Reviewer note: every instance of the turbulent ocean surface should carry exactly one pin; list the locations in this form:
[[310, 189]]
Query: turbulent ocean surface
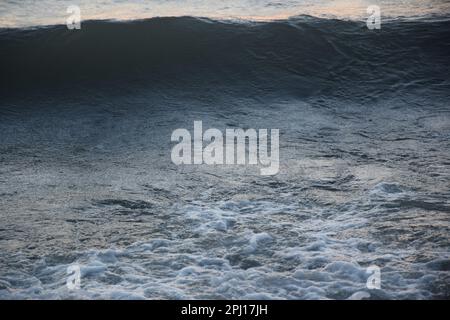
[[86, 176]]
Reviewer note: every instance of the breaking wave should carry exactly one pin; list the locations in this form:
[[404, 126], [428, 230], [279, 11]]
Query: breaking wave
[[301, 56]]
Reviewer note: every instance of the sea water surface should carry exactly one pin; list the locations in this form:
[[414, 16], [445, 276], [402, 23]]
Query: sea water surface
[[86, 177], [28, 13]]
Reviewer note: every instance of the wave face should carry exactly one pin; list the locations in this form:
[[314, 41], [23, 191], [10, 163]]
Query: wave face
[[302, 56]]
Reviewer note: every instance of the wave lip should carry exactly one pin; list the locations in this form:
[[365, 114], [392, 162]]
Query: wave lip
[[31, 13]]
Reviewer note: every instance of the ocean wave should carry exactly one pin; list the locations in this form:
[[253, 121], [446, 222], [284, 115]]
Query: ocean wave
[[301, 56]]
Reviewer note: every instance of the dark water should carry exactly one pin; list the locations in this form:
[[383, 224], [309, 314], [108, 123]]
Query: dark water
[[86, 176]]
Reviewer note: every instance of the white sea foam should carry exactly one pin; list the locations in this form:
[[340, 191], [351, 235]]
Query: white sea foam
[[236, 261]]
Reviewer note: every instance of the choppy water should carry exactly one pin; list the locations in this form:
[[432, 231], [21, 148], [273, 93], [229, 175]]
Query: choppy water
[[86, 176], [27, 13]]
